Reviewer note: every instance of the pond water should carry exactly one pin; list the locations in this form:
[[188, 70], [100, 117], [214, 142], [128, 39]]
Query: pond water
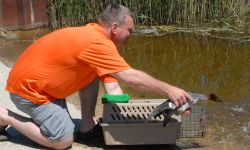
[[202, 64], [196, 63]]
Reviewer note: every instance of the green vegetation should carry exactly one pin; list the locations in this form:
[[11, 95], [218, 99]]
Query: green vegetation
[[219, 13]]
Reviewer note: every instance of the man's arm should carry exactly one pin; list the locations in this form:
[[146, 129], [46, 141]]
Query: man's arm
[[144, 82], [113, 88]]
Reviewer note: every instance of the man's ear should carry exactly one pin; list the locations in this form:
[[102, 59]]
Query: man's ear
[[114, 27]]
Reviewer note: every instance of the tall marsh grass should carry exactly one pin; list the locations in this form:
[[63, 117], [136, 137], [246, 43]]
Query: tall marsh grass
[[154, 12]]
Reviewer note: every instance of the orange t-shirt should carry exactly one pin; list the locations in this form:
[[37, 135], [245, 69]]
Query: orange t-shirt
[[64, 61]]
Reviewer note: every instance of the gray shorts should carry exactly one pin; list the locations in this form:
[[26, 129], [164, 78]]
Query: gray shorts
[[53, 118]]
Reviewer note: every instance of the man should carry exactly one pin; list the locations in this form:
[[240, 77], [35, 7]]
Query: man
[[69, 60]]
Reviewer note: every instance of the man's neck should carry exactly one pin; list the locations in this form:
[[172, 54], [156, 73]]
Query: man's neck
[[106, 30]]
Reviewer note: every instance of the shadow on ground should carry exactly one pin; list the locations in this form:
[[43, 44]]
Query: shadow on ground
[[19, 139]]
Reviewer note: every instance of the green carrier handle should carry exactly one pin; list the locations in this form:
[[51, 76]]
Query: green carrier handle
[[123, 98]]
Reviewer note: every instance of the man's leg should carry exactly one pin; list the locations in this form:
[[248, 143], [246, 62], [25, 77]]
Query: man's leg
[[27, 127], [50, 121], [88, 97]]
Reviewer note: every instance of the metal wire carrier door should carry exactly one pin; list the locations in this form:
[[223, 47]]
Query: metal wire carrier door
[[194, 125]]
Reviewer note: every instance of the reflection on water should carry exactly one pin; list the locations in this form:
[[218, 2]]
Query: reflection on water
[[196, 63]]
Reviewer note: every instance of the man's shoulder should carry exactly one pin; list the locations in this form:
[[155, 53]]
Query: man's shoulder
[[96, 30], [97, 33]]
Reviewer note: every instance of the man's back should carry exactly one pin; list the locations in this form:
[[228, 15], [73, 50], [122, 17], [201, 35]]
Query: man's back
[[54, 67]]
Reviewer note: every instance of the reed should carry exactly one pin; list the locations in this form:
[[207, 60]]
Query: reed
[[155, 12]]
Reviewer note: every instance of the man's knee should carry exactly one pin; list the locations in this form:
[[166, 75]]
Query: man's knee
[[62, 144]]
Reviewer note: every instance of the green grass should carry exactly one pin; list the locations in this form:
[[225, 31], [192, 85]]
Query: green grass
[[233, 13]]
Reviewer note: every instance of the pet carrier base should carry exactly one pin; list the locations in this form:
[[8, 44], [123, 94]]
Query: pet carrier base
[[128, 124]]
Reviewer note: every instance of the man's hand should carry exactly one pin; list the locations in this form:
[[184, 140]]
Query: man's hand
[[187, 111], [178, 96]]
